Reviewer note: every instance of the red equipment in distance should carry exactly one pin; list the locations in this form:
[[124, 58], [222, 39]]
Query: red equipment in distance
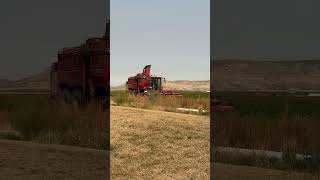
[[144, 83]]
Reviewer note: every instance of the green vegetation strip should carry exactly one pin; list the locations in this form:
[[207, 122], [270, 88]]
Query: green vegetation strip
[[190, 100]]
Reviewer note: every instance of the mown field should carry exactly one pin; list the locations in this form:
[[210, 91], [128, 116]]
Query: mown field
[[40, 119], [151, 144], [191, 100], [280, 122]]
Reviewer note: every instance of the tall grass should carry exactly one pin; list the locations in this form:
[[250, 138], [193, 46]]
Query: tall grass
[[281, 123], [36, 118], [193, 100]]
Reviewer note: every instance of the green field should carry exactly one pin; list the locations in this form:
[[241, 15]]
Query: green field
[[280, 122], [191, 100], [40, 119]]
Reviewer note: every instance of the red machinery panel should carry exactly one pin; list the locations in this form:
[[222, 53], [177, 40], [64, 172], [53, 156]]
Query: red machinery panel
[[83, 68]]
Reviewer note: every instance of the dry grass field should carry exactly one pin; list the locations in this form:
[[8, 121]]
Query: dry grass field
[[145, 144], [148, 144], [24, 160]]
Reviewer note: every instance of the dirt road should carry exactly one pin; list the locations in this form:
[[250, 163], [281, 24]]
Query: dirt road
[[24, 160], [232, 172]]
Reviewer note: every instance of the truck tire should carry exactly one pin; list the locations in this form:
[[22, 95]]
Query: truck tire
[[78, 97], [66, 94]]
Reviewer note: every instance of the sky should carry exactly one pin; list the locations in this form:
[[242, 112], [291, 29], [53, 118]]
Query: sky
[[171, 35], [33, 31], [265, 30]]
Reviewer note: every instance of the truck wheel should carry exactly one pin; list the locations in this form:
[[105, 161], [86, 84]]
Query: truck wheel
[[66, 95], [78, 97]]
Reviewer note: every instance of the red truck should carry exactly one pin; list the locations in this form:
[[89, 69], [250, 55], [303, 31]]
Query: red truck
[[83, 73]]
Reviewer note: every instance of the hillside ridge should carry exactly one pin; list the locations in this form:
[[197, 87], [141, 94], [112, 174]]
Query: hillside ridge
[[248, 75]]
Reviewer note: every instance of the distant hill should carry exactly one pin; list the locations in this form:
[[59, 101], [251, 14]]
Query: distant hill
[[187, 85], [242, 75], [39, 81], [234, 75], [4, 83], [118, 88]]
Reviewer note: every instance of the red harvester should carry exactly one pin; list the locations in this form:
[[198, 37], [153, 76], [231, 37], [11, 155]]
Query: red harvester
[[143, 83]]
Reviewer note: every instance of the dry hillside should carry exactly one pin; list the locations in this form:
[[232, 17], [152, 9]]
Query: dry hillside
[[118, 88], [187, 85], [265, 75], [39, 81]]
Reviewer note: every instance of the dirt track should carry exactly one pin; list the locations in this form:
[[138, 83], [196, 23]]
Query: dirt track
[[232, 172], [24, 160]]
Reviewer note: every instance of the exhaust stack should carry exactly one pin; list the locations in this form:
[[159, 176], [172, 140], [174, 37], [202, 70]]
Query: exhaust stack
[[146, 70]]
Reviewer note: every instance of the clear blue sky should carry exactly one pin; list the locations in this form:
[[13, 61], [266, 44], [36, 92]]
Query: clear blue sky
[[171, 35]]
